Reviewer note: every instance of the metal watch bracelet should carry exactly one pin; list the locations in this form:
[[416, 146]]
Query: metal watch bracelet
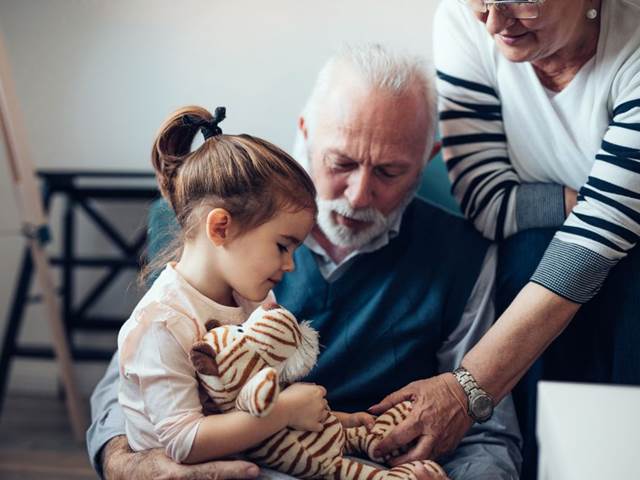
[[480, 403]]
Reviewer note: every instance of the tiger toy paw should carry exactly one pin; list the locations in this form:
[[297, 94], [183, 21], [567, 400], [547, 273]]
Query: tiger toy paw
[[259, 395]]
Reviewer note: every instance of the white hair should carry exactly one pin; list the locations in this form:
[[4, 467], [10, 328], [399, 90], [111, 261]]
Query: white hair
[[379, 68]]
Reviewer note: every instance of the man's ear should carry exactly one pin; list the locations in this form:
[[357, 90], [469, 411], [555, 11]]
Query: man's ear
[[303, 127], [218, 223]]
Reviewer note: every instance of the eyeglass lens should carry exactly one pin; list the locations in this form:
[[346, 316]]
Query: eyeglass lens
[[519, 10]]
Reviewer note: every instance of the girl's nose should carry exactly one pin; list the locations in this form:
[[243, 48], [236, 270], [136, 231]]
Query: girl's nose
[[288, 264]]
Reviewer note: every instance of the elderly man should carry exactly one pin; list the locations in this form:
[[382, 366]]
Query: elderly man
[[398, 289]]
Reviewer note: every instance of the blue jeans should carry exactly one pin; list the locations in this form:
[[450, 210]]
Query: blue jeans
[[601, 344]]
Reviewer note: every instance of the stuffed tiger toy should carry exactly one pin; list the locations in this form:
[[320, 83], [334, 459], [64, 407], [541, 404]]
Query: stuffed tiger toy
[[244, 367]]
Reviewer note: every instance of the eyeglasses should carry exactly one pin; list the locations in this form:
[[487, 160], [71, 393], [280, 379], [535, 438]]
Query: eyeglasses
[[519, 9]]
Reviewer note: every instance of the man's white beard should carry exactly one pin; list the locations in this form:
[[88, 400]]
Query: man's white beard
[[346, 237], [343, 236]]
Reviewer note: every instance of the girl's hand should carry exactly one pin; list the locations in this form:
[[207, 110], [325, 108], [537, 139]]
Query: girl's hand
[[306, 406], [356, 419]]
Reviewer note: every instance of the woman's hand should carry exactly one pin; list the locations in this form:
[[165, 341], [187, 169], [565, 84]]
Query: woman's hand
[[570, 200], [119, 462], [306, 406], [356, 419], [437, 422]]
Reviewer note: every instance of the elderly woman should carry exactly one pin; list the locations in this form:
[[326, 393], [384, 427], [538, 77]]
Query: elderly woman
[[540, 99]]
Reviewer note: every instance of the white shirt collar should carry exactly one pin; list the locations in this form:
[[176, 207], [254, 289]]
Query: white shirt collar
[[330, 270]]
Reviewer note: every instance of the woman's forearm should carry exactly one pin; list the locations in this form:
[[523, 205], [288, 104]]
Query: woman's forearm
[[533, 320]]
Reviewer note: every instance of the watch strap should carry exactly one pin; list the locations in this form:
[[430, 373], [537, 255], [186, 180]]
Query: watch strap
[[471, 389]]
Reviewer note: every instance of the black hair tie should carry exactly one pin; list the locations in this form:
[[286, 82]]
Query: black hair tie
[[209, 128]]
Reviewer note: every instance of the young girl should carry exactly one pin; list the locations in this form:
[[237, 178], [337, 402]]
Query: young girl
[[243, 207]]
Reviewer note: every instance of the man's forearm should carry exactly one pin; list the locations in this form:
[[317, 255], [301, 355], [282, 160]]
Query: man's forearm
[[117, 459], [119, 462], [532, 321]]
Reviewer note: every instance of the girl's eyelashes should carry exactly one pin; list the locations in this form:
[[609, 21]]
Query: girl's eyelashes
[[282, 248]]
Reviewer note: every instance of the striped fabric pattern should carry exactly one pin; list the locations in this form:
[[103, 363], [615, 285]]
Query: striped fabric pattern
[[475, 149], [574, 260], [605, 224]]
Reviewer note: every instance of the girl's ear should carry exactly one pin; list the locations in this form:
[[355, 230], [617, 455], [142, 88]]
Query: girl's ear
[[218, 223]]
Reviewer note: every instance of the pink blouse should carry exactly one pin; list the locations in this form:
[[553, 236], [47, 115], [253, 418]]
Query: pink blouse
[[158, 385]]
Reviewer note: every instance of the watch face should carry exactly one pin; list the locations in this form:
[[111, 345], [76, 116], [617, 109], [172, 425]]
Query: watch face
[[481, 407]]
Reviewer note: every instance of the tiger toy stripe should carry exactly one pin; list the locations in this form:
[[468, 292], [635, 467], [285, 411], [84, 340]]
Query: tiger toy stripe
[[244, 367]]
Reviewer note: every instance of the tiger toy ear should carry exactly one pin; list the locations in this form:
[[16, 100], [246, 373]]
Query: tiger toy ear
[[211, 324], [203, 358]]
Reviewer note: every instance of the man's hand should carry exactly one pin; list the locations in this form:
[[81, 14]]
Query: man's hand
[[437, 422], [119, 462]]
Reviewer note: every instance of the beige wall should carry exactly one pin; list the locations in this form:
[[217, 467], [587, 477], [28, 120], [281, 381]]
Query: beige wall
[[96, 78]]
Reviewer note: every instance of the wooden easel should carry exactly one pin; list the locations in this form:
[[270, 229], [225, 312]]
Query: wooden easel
[[36, 232]]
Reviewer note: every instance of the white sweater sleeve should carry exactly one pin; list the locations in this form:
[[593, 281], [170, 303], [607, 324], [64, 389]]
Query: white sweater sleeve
[[473, 138], [160, 383], [605, 224], [487, 188]]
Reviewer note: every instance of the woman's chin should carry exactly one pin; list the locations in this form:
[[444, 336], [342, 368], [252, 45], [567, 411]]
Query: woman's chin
[[515, 51], [515, 54]]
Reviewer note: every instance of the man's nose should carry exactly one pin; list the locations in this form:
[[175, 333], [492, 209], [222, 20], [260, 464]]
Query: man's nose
[[359, 191], [496, 20]]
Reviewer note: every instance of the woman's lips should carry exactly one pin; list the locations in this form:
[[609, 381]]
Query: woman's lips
[[511, 39]]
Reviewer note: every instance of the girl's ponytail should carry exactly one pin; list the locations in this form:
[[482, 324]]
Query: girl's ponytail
[[172, 146], [249, 177]]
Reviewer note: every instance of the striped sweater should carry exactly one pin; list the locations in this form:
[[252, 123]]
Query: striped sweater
[[510, 145]]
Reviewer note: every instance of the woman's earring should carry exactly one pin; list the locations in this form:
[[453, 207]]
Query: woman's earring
[[592, 13]]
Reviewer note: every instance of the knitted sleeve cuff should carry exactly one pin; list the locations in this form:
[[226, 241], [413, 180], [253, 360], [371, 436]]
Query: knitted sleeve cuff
[[572, 271], [539, 205]]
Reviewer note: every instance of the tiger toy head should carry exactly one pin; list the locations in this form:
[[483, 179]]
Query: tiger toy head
[[243, 366]]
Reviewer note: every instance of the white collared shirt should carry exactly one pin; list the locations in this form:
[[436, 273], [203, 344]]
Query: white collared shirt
[[331, 270]]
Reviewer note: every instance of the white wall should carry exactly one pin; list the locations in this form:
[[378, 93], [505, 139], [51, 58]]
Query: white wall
[[96, 78]]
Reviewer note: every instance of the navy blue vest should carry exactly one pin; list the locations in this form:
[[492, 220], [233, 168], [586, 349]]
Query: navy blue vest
[[382, 322]]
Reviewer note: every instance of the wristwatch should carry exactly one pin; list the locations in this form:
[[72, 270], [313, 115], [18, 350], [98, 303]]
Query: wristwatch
[[480, 403]]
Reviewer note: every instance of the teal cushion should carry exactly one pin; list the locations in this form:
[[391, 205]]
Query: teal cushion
[[162, 228], [436, 187]]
